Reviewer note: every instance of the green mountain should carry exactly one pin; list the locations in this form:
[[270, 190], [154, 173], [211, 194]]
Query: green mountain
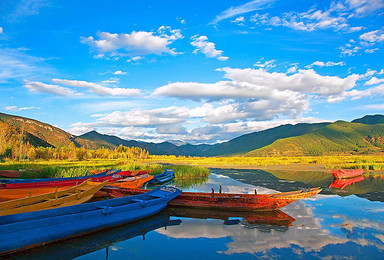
[[256, 140], [370, 120], [339, 138]]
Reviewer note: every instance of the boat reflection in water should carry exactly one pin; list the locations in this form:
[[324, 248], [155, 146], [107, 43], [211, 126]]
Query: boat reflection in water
[[342, 183], [72, 248], [249, 219]]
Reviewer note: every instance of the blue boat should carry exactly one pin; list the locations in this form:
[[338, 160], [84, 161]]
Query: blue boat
[[26, 230], [76, 247], [166, 176], [102, 174]]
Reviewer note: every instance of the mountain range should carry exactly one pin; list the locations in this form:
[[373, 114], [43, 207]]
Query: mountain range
[[361, 136]]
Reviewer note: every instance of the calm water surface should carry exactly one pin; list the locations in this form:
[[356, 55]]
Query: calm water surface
[[335, 224]]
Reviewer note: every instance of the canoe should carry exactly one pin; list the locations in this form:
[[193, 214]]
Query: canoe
[[84, 245], [228, 201], [26, 230], [166, 176], [9, 174], [68, 197], [132, 182], [273, 217], [344, 174], [343, 183]]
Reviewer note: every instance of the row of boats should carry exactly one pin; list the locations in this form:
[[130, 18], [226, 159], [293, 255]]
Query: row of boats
[[40, 211]]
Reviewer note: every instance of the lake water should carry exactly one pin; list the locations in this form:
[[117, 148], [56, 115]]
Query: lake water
[[336, 224]]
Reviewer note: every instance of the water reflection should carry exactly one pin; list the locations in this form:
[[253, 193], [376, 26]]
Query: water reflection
[[343, 183]]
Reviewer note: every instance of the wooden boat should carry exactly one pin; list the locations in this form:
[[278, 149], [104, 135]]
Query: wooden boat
[[84, 245], [68, 197], [344, 174], [273, 217], [166, 176], [343, 183], [132, 182], [26, 230], [9, 174], [228, 201]]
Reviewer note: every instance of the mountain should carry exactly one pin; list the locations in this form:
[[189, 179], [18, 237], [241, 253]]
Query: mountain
[[256, 140], [339, 138], [49, 134], [370, 120], [164, 148]]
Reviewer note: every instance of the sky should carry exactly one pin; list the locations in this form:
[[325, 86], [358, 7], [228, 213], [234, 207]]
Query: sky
[[192, 71]]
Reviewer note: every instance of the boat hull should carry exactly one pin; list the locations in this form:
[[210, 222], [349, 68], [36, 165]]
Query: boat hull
[[26, 230], [227, 201], [345, 174], [164, 177]]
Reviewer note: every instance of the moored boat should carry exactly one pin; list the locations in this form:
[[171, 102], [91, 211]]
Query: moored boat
[[9, 174], [344, 174], [132, 182], [26, 230], [166, 176], [228, 201], [68, 197]]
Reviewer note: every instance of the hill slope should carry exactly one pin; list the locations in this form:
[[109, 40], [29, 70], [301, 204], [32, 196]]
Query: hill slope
[[370, 120], [336, 138], [249, 142]]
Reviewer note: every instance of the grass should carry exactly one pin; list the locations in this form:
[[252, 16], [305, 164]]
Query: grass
[[63, 169]]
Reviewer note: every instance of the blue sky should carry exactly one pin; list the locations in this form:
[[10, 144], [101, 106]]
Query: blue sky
[[196, 71]]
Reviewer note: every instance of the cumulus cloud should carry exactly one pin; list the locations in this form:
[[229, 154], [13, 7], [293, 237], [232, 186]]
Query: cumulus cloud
[[366, 42], [374, 81], [134, 43], [202, 44], [265, 64], [1, 29], [361, 8], [15, 108], [98, 89], [40, 87], [181, 20], [119, 72], [242, 9]]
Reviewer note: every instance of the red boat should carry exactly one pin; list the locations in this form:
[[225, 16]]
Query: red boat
[[342, 183], [344, 174], [9, 174], [227, 201]]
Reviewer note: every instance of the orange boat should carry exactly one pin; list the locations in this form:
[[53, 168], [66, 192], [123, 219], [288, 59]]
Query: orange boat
[[227, 201], [345, 174], [11, 194], [342, 183], [132, 182]]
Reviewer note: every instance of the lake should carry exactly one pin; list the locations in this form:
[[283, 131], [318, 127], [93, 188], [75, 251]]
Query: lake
[[346, 221]]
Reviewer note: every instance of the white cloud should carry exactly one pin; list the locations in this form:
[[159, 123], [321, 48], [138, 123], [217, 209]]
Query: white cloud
[[40, 87], [119, 72], [363, 8], [134, 43], [134, 59], [366, 42], [327, 64], [27, 8], [265, 64], [181, 20], [373, 36], [15, 108], [374, 81], [15, 64], [239, 20], [98, 89], [208, 48], [242, 9], [1, 29]]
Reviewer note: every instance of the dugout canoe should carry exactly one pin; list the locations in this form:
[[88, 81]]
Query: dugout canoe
[[343, 183], [26, 230], [132, 182], [228, 201], [344, 174], [68, 197], [166, 176]]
